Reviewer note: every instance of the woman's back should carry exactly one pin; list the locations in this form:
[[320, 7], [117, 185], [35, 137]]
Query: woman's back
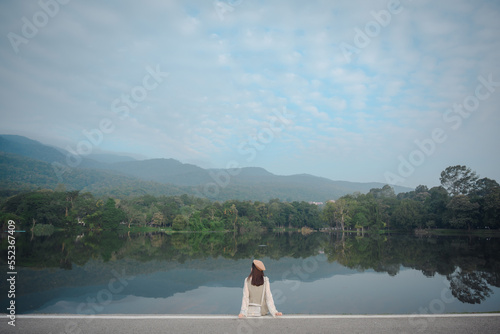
[[260, 293], [255, 293]]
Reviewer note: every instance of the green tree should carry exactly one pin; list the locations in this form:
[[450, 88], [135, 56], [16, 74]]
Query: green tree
[[421, 193], [276, 216], [342, 211], [374, 209], [44, 207], [328, 213], [180, 223], [70, 199], [458, 180], [158, 219], [435, 207], [464, 213], [111, 216], [232, 215], [408, 215], [491, 209], [360, 220], [384, 192], [485, 186]]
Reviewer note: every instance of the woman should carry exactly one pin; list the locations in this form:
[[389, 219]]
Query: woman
[[256, 290]]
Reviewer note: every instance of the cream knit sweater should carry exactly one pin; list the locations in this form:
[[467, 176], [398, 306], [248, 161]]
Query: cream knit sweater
[[253, 294]]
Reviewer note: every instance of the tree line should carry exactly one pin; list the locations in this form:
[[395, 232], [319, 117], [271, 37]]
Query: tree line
[[72, 209], [463, 201]]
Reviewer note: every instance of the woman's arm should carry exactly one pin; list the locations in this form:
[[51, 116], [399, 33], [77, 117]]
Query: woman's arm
[[270, 300], [244, 300]]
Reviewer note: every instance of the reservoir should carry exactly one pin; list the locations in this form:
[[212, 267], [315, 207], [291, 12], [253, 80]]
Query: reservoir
[[203, 273]]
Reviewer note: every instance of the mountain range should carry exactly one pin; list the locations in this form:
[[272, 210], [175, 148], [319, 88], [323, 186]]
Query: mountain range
[[29, 164]]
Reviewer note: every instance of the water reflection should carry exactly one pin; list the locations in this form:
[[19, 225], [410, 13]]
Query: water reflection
[[471, 265], [203, 273]]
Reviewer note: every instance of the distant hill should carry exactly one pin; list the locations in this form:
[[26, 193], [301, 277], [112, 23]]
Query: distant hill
[[21, 173], [35, 150], [27, 164], [29, 148], [109, 158], [163, 170]]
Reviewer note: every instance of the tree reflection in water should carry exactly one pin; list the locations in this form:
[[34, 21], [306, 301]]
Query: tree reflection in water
[[470, 287], [471, 264]]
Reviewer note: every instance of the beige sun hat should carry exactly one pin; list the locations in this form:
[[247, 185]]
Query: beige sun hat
[[259, 265]]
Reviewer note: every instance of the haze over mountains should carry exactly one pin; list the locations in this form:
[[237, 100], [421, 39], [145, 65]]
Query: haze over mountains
[[29, 164]]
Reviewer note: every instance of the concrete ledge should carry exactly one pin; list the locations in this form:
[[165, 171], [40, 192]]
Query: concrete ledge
[[286, 316], [293, 323]]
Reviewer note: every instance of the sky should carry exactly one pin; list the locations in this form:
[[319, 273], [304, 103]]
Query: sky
[[385, 91]]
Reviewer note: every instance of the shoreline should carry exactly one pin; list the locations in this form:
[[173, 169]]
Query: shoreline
[[216, 324], [235, 316]]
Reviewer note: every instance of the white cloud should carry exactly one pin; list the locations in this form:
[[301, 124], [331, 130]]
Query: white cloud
[[227, 76], [316, 113]]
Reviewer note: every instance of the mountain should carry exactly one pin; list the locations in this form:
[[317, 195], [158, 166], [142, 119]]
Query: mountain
[[35, 150], [109, 158], [28, 164], [163, 171], [21, 173], [29, 148]]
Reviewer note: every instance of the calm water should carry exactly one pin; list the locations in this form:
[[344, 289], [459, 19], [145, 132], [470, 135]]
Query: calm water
[[203, 273]]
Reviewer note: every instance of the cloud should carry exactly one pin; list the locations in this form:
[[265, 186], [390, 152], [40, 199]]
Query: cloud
[[316, 113], [227, 76]]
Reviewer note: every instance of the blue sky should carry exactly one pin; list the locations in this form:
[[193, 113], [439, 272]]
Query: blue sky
[[349, 90]]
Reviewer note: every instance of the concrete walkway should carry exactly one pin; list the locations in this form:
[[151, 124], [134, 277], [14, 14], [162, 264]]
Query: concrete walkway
[[77, 324]]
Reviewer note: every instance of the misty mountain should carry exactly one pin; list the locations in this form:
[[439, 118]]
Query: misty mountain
[[21, 173], [109, 158], [29, 164], [163, 171], [29, 148], [35, 150]]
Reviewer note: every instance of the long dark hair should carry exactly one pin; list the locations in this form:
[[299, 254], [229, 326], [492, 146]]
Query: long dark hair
[[257, 276]]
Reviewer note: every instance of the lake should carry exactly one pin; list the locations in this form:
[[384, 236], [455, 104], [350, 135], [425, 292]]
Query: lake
[[191, 273]]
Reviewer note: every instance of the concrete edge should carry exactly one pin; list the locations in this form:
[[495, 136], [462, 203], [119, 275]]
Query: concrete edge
[[215, 317]]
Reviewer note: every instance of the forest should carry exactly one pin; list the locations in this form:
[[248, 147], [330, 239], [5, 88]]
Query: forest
[[463, 201]]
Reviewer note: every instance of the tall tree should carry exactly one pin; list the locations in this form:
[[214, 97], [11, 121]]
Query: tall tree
[[384, 192], [485, 186], [458, 180], [343, 211], [328, 213], [111, 216], [435, 207], [464, 213], [180, 223], [491, 209], [408, 215]]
